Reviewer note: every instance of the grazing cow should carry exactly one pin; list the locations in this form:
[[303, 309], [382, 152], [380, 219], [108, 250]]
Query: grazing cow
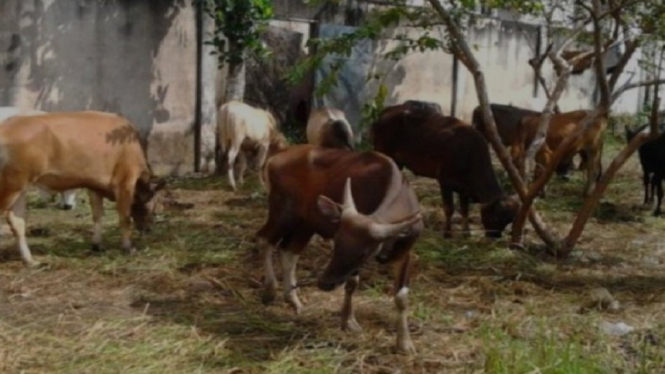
[[68, 198], [328, 127], [360, 200], [242, 128], [652, 160], [453, 153], [507, 118], [590, 143], [62, 151]]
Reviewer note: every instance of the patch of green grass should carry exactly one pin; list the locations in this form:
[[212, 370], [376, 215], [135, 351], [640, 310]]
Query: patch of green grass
[[469, 254], [548, 351], [567, 347]]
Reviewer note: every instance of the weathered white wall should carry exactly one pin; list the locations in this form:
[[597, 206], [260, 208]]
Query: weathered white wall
[[136, 58]]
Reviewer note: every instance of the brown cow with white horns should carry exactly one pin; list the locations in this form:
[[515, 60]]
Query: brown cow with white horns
[[61, 151], [360, 200]]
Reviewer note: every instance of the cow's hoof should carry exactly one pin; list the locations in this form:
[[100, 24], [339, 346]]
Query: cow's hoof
[[96, 247], [35, 264], [295, 304], [351, 325], [405, 347], [447, 235], [67, 207]]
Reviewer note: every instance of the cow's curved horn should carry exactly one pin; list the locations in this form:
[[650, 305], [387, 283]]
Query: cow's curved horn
[[383, 231], [348, 204]]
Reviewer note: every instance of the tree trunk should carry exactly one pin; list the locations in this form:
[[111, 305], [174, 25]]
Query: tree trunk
[[235, 81], [641, 138], [591, 202]]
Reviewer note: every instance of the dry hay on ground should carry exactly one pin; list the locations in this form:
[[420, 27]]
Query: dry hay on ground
[[190, 300]]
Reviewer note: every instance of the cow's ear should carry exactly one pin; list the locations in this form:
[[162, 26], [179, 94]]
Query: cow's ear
[[329, 208]]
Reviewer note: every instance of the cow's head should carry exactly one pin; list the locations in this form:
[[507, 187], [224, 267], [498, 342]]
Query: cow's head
[[357, 238], [143, 205], [499, 214]]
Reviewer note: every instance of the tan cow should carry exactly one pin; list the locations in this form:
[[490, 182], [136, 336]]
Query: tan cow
[[68, 198], [328, 127], [589, 144], [62, 151]]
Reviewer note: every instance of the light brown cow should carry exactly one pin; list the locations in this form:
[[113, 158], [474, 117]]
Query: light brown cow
[[61, 151], [328, 127], [243, 129], [361, 201], [589, 144], [68, 198]]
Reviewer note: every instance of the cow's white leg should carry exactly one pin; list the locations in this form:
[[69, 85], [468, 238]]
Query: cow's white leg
[[16, 221], [97, 206], [404, 343], [260, 161], [289, 283], [232, 154], [242, 166], [270, 282], [401, 285], [68, 199], [349, 321]]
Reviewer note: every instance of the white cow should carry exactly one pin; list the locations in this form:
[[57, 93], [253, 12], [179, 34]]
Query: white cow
[[68, 197], [241, 129]]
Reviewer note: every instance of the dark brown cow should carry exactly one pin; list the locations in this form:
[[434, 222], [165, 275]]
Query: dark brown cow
[[360, 200], [507, 118], [590, 143], [62, 151], [453, 153]]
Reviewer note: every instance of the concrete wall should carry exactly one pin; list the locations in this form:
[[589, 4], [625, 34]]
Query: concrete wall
[[133, 57]]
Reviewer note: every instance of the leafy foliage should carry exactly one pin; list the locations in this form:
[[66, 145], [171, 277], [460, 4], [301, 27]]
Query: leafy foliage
[[371, 111], [242, 23]]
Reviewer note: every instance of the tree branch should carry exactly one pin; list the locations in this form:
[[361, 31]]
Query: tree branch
[[599, 62], [630, 86], [631, 47]]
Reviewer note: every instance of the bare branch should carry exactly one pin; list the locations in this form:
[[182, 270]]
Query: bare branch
[[631, 47], [630, 86]]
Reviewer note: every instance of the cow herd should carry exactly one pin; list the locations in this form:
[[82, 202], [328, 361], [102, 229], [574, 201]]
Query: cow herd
[[361, 200]]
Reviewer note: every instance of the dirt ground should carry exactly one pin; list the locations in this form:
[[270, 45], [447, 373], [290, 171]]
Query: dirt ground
[[189, 301]]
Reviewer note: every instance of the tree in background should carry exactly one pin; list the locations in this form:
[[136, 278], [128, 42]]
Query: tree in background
[[604, 23], [238, 28]]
